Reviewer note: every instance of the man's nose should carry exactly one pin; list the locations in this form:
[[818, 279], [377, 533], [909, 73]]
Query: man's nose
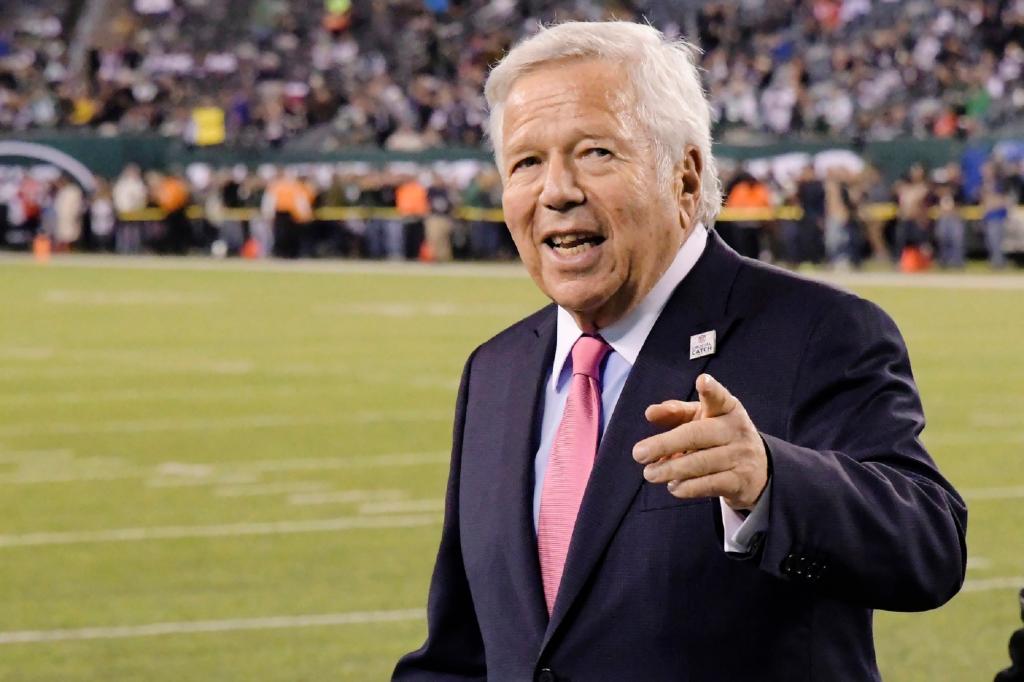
[[561, 191]]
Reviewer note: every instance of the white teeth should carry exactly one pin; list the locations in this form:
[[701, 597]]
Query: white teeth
[[573, 250], [558, 240]]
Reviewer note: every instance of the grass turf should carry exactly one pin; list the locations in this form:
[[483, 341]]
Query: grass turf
[[198, 408]]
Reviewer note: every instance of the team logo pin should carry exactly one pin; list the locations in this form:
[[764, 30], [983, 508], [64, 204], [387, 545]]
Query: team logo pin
[[702, 344]]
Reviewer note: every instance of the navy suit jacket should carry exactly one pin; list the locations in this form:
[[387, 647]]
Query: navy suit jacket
[[860, 518]]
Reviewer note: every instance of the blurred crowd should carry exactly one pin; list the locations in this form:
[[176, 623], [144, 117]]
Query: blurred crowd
[[843, 217], [404, 213], [865, 69], [408, 74]]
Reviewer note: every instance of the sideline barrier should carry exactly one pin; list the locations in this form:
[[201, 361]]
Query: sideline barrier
[[495, 215]]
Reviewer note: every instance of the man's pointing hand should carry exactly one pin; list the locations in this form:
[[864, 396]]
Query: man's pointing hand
[[711, 448]]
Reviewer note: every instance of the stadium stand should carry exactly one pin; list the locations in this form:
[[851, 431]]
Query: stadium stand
[[406, 76]]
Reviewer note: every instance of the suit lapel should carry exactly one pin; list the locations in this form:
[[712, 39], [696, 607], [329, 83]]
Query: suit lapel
[[663, 370], [525, 388]]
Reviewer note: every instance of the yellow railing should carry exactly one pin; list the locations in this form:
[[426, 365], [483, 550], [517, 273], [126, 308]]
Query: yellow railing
[[871, 212]]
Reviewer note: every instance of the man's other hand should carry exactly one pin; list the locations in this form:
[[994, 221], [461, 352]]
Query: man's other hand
[[711, 448]]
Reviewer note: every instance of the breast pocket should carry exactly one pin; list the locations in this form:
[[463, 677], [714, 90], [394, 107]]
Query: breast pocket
[[654, 496]]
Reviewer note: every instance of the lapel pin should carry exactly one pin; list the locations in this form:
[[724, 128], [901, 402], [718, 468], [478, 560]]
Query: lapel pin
[[702, 344]]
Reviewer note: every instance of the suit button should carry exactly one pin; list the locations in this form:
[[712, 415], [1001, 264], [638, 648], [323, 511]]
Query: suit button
[[545, 675]]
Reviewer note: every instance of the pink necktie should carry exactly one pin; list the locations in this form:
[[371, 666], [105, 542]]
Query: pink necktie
[[572, 458]]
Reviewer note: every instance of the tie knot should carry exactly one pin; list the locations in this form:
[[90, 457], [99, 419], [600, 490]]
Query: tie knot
[[587, 354]]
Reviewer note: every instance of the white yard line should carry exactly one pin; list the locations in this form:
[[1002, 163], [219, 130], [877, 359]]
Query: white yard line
[[967, 438], [216, 531], [1009, 281], [173, 474], [401, 506], [297, 621], [252, 421], [346, 462], [159, 361], [258, 489], [22, 456], [997, 420], [183, 481], [154, 394], [25, 353], [345, 496], [120, 298], [997, 493], [1015, 582], [414, 309], [70, 477], [328, 267], [959, 281], [107, 369], [188, 474], [208, 626]]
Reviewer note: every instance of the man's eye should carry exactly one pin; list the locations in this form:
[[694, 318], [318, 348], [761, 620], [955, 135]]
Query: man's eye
[[525, 163], [599, 152]]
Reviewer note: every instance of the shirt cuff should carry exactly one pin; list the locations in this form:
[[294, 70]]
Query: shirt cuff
[[739, 529]]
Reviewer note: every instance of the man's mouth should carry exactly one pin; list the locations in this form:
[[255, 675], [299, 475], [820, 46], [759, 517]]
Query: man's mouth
[[572, 244]]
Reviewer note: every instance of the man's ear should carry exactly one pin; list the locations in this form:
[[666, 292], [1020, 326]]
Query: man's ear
[[687, 175]]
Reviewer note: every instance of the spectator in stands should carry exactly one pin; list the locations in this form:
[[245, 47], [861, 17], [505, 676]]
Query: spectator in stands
[[129, 195], [226, 199], [837, 217], [68, 208], [413, 206], [330, 233], [439, 223], [288, 206], [996, 212], [803, 238], [382, 233], [483, 194], [746, 193], [912, 198], [28, 204], [102, 217], [372, 197], [171, 195], [873, 192], [844, 230], [949, 228]]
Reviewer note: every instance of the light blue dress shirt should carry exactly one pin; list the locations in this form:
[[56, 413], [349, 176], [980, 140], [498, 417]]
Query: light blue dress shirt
[[627, 337]]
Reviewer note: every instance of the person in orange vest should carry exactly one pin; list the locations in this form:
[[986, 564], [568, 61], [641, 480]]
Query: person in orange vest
[[747, 192], [288, 204], [171, 195], [413, 206]]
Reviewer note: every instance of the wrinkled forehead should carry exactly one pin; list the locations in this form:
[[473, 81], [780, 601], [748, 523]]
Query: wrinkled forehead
[[588, 92]]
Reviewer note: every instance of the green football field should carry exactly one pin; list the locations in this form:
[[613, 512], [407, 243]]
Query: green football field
[[211, 471]]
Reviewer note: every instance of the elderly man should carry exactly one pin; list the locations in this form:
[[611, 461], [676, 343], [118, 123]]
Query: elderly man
[[691, 466]]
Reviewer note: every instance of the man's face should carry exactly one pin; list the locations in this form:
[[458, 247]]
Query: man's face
[[593, 224]]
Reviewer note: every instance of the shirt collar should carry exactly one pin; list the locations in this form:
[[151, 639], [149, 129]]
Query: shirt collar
[[627, 335]]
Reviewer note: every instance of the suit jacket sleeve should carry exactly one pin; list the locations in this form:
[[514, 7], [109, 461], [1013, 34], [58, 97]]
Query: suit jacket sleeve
[[859, 511], [454, 649]]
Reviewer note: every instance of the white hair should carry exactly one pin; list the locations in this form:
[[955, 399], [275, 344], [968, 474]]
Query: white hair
[[669, 98]]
